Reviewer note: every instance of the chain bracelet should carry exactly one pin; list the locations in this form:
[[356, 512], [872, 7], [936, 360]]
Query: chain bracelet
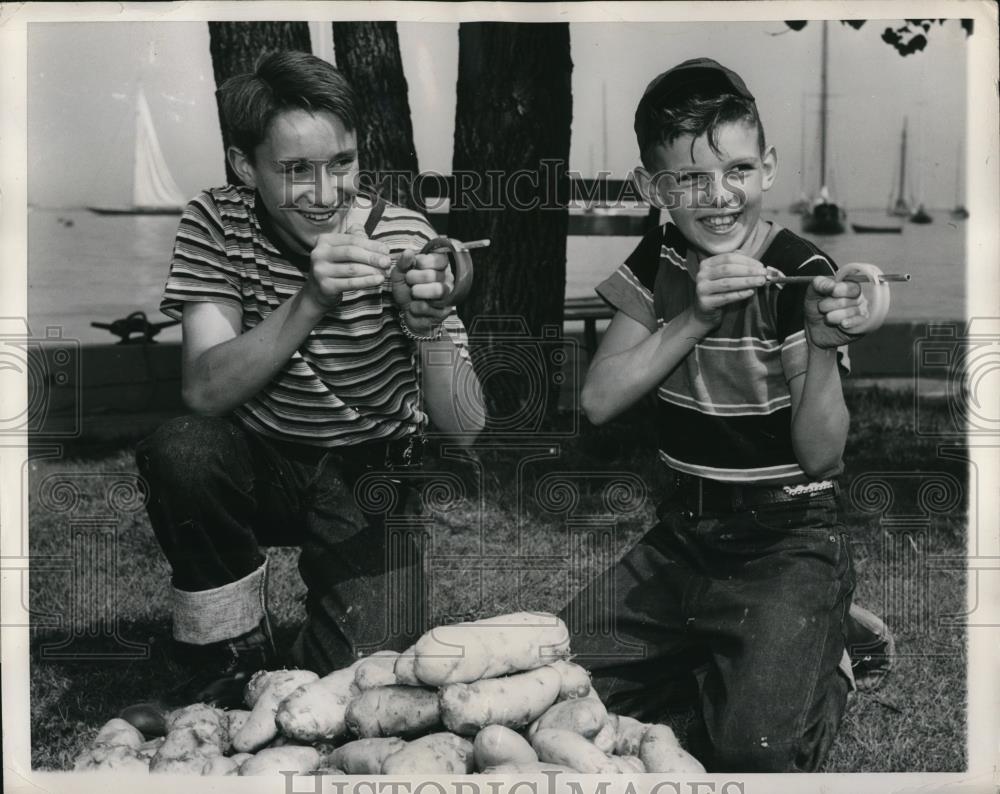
[[434, 336]]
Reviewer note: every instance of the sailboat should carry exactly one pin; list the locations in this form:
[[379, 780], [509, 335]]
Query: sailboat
[[921, 216], [154, 191], [801, 205], [959, 213], [825, 216], [900, 208]]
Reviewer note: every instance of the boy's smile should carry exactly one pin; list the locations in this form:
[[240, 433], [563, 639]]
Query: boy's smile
[[714, 198], [306, 172]]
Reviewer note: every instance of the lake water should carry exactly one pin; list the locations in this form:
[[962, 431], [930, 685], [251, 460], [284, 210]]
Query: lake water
[[84, 267]]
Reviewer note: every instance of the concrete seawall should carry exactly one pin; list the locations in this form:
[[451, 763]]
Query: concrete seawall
[[128, 389], [897, 350]]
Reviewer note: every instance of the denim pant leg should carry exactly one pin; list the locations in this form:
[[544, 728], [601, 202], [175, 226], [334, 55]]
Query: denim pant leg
[[628, 628], [214, 493], [362, 565], [773, 608]]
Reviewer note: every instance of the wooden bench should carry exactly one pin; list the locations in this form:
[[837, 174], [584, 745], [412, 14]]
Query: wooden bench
[[587, 310]]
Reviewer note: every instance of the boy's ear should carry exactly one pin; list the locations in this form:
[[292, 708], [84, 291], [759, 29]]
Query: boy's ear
[[769, 167], [241, 165]]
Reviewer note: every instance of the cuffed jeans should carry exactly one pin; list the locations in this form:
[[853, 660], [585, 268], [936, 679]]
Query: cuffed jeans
[[218, 493], [743, 613]]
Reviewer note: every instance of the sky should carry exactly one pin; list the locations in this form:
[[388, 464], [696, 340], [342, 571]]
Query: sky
[[83, 78]]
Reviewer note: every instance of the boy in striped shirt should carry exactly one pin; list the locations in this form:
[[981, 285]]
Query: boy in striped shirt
[[309, 328], [747, 579]]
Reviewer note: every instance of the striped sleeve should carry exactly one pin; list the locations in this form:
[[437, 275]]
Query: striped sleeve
[[791, 318], [200, 271], [630, 288]]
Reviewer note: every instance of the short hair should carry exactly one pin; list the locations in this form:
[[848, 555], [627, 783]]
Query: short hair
[[697, 115], [282, 80]]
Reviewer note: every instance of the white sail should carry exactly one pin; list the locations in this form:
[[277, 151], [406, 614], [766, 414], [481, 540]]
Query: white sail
[[153, 186]]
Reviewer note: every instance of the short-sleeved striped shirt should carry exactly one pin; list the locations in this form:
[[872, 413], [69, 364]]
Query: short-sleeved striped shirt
[[725, 411], [353, 380]]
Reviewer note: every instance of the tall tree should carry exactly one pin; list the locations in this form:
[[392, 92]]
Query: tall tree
[[907, 38], [236, 46], [368, 55], [512, 135]]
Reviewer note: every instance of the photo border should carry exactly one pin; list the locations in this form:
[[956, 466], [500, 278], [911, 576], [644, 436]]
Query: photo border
[[983, 301]]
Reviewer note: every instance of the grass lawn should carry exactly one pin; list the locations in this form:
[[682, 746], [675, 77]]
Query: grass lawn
[[100, 600]]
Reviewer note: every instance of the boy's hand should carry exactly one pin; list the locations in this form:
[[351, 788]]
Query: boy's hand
[[343, 262], [724, 279], [831, 308], [419, 280]]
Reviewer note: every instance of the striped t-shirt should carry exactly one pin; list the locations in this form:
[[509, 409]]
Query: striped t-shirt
[[353, 380], [725, 411]]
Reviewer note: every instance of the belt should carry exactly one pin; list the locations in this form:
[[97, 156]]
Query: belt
[[400, 453], [703, 496]]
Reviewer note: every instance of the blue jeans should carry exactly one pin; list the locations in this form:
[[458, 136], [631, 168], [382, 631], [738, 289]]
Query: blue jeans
[[742, 614], [219, 493]]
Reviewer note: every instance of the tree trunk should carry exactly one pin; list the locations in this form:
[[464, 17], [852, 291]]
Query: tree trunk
[[513, 119], [236, 46], [368, 56]]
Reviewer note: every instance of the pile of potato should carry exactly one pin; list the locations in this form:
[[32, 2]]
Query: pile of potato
[[496, 696]]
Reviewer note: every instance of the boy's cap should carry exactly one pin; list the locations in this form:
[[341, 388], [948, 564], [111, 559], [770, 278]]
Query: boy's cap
[[696, 76]]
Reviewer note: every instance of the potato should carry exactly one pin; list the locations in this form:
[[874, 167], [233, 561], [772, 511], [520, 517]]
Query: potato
[[584, 716], [327, 770], [221, 765], [436, 754], [466, 652], [274, 760], [111, 758], [567, 748], [256, 685], [394, 711], [605, 738], [119, 733], [526, 768], [364, 756], [575, 680], [240, 758], [379, 669], [148, 749], [513, 701], [185, 751], [628, 734], [627, 765], [210, 723], [316, 711], [661, 752], [496, 745], [280, 740], [260, 727], [236, 718], [404, 668], [148, 718]]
